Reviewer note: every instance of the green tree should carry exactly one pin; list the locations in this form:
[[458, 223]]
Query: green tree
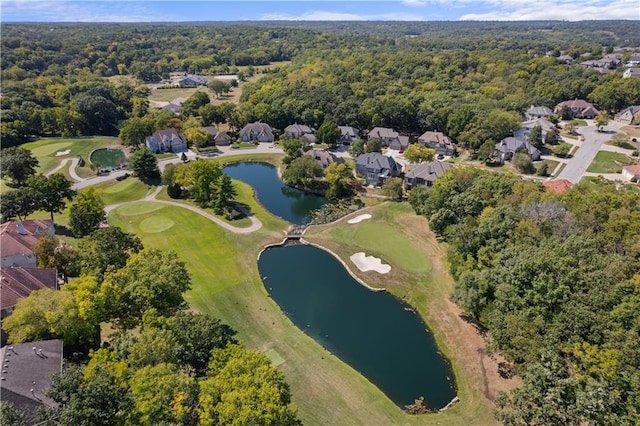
[[10, 415], [561, 150], [416, 153], [54, 253], [523, 162], [163, 395], [173, 190], [192, 105], [200, 178], [218, 87], [393, 188], [104, 248], [145, 164], [500, 124], [356, 148], [535, 137], [302, 171], [243, 388], [18, 164], [198, 137], [329, 133], [224, 194], [339, 177], [135, 130], [18, 203], [373, 145], [601, 120], [211, 114], [150, 279], [51, 192], [86, 213], [292, 150]]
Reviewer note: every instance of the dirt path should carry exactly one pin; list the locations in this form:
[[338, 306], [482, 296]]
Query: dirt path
[[255, 222]]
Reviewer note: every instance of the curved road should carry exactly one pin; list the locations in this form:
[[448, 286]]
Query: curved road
[[72, 168]]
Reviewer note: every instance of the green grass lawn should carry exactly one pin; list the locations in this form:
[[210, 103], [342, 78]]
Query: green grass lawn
[[608, 162], [578, 122], [226, 283], [45, 151], [243, 145], [130, 189]]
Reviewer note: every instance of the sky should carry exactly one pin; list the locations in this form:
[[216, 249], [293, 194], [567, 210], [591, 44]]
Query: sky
[[325, 10]]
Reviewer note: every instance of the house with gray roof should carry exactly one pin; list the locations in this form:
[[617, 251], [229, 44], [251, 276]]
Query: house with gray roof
[[389, 138], [296, 131], [538, 112], [324, 158], [628, 115], [439, 142], [26, 375], [256, 132], [631, 73], [634, 60], [425, 173], [526, 126], [219, 138], [565, 59], [506, 148], [167, 140], [348, 134], [376, 168]]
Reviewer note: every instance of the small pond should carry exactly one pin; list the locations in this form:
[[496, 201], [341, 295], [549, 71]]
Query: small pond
[[108, 158], [375, 333], [288, 203]]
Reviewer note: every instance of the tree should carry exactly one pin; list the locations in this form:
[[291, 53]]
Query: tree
[[193, 104], [106, 247], [373, 145], [535, 136], [570, 128], [243, 388], [86, 213], [18, 203], [219, 87], [561, 150], [151, 279], [54, 253], [51, 192], [292, 150], [356, 148], [416, 153], [198, 137], [200, 178], [601, 120], [173, 190], [302, 171], [329, 133], [500, 124], [10, 415], [145, 164], [393, 188], [17, 164], [339, 177], [211, 114], [224, 194], [523, 162], [135, 130]]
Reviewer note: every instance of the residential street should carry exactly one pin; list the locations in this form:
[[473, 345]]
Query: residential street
[[593, 141]]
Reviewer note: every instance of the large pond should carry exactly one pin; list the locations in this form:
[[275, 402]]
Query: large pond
[[375, 333], [288, 203], [108, 158]]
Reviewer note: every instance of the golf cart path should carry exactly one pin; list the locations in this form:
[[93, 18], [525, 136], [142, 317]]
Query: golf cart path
[[72, 168], [255, 222]]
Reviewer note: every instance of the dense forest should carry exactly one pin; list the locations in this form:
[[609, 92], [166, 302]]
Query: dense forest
[[553, 278]]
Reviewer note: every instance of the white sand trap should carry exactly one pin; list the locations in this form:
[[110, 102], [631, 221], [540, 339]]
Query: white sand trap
[[359, 219], [369, 263], [61, 153]]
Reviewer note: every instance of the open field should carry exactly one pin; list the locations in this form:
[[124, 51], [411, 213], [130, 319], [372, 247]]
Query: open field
[[608, 162]]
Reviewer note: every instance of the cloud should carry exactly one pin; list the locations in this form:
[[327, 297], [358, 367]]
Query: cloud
[[81, 11], [524, 10], [320, 15]]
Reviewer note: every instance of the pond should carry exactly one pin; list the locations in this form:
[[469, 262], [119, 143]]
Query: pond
[[288, 203], [373, 332], [108, 158]]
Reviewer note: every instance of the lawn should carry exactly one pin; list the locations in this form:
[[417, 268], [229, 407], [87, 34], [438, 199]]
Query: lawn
[[608, 162], [244, 145], [226, 283], [45, 151], [130, 189]]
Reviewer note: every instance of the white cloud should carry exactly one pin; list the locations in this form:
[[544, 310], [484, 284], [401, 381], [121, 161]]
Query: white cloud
[[416, 3], [87, 11]]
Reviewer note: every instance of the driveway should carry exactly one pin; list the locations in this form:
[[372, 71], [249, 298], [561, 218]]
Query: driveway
[[593, 141]]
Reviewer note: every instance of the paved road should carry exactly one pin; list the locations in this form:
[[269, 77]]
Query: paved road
[[593, 141], [72, 169]]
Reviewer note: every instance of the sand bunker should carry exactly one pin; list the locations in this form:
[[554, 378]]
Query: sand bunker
[[359, 219], [61, 153], [369, 263]]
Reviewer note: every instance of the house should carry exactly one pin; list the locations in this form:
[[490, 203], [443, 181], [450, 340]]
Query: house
[[628, 115], [167, 140], [324, 158], [256, 132], [296, 131], [631, 72], [389, 138], [538, 112], [174, 108], [438, 141], [348, 134], [634, 60], [632, 172], [565, 59], [425, 173], [308, 139], [578, 108], [506, 148], [227, 78], [19, 238], [525, 128], [19, 282], [608, 62], [219, 138], [376, 168], [557, 185], [26, 375], [189, 81]]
